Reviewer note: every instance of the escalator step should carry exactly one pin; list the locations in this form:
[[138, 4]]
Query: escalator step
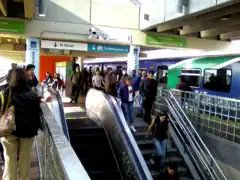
[[91, 145], [147, 153]]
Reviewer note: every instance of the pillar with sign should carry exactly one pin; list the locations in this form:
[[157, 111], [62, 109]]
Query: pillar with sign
[[133, 59], [32, 54]]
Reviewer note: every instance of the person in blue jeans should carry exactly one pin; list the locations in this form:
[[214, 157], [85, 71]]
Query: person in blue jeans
[[126, 94], [161, 136]]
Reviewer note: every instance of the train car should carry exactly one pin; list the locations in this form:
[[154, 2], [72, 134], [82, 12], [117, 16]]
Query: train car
[[218, 76]]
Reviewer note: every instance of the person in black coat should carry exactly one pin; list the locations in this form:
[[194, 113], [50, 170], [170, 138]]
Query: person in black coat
[[27, 112]]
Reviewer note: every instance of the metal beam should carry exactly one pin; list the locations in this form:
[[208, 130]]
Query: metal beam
[[219, 30], [198, 18], [3, 7], [29, 8], [230, 35], [214, 23]]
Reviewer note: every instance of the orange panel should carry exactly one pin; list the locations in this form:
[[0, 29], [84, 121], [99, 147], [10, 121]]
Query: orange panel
[[48, 64]]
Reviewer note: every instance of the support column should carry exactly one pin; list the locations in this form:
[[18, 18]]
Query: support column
[[133, 59], [32, 54], [80, 62]]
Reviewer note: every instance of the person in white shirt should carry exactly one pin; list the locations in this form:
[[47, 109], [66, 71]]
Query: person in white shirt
[[126, 94], [97, 80]]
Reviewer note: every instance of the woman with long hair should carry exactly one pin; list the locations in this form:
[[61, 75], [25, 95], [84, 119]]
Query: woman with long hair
[[18, 146]]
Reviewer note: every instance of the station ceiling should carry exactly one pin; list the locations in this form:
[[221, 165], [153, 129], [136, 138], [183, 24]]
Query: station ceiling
[[221, 23], [17, 8]]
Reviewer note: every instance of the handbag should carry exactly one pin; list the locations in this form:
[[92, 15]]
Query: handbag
[[7, 120]]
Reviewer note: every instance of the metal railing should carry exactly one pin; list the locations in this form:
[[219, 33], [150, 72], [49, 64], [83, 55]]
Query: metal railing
[[212, 114], [195, 147], [56, 158]]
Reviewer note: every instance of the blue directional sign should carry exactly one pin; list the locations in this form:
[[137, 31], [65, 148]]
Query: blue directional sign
[[106, 48]]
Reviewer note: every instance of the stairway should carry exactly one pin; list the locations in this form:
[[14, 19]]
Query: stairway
[[146, 146], [91, 145]]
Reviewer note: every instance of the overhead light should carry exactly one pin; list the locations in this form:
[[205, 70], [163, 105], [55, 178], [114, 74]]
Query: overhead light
[[41, 8]]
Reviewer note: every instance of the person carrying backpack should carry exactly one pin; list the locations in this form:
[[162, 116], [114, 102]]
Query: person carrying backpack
[[20, 122]]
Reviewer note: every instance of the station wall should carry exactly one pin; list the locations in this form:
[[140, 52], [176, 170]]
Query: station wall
[[48, 64]]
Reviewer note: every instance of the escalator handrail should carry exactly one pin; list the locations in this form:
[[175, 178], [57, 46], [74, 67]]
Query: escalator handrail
[[144, 171], [62, 115], [197, 139], [63, 120]]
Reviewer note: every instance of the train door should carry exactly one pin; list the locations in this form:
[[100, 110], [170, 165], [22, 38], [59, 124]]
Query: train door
[[162, 76]]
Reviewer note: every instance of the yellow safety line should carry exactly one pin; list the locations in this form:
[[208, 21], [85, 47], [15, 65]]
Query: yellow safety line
[[74, 118]]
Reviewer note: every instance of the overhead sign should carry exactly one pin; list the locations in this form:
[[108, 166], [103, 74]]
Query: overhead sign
[[106, 48], [156, 39], [12, 26], [64, 45]]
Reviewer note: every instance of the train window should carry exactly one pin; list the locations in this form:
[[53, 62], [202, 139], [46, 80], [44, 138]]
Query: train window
[[192, 76], [217, 80]]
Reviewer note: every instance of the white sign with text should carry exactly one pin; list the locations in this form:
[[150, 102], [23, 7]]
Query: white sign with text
[[64, 45]]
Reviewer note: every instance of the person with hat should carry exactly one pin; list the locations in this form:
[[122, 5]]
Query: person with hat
[[160, 129]]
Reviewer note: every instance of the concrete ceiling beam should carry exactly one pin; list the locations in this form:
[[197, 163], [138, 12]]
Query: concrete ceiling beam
[[219, 30], [230, 35], [198, 18], [29, 8], [214, 23]]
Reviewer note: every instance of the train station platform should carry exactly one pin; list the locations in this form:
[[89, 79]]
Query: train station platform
[[92, 140]]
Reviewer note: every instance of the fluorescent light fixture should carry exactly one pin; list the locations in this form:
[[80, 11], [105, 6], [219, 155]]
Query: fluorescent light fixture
[[41, 8]]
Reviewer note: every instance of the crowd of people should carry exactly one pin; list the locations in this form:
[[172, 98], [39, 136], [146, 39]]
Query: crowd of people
[[136, 91]]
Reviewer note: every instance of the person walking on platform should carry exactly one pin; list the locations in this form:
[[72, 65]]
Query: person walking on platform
[[110, 83], [25, 106], [97, 80], [142, 78], [32, 79], [14, 66], [77, 79], [126, 94], [160, 129], [149, 91]]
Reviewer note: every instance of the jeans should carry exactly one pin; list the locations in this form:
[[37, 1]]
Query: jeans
[[147, 105], [128, 111], [161, 146]]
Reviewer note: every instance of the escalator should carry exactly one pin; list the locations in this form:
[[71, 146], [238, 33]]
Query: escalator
[[92, 147]]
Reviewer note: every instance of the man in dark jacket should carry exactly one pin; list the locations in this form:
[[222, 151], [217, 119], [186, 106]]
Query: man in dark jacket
[[32, 79], [148, 90]]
